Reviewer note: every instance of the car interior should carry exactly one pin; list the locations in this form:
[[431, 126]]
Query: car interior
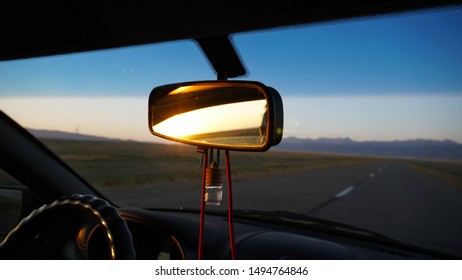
[[61, 215]]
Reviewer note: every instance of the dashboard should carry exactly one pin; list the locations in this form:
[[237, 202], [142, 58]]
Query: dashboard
[[161, 234]]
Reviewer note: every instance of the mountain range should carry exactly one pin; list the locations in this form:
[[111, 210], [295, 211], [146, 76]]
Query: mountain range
[[55, 134], [418, 148]]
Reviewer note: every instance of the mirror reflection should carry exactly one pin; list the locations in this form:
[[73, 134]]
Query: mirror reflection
[[230, 115]]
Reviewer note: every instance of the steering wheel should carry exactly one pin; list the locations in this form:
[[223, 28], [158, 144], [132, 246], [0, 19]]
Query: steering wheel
[[65, 228]]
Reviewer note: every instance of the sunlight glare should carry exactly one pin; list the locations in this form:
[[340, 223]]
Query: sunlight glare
[[229, 117]]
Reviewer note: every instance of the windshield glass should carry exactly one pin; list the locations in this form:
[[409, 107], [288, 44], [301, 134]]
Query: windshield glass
[[372, 134]]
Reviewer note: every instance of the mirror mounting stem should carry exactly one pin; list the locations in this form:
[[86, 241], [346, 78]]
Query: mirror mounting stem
[[223, 56], [221, 76]]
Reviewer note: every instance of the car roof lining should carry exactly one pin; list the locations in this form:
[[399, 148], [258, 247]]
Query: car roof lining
[[41, 28]]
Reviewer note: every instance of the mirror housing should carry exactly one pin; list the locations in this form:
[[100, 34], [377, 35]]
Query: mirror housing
[[230, 115]]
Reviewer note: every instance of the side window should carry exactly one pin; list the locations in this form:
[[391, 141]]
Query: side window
[[10, 203]]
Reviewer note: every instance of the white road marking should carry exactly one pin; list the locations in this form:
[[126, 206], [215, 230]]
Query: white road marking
[[372, 175], [344, 192]]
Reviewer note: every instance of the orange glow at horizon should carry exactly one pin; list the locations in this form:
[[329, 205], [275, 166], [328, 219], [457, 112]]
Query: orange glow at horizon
[[242, 115]]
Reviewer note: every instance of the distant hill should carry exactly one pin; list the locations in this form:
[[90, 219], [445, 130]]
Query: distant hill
[[55, 134], [419, 148]]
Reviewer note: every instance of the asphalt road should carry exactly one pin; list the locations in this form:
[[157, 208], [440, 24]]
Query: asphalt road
[[404, 204], [392, 199], [389, 197]]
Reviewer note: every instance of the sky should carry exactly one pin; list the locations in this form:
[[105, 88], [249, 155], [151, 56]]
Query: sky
[[393, 78]]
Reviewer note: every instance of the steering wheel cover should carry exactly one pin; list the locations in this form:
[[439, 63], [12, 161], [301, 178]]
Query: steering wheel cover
[[116, 230]]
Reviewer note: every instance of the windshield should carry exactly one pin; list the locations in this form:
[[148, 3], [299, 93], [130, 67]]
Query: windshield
[[372, 134]]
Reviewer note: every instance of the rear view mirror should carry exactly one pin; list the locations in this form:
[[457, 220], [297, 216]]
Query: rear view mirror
[[233, 115]]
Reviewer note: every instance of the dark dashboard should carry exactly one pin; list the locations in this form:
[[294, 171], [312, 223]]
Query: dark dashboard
[[160, 234]]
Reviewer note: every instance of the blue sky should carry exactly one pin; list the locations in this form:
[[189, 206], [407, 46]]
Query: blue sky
[[404, 74], [419, 53]]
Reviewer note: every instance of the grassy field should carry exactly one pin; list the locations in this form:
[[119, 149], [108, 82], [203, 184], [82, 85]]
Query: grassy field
[[123, 164], [106, 164], [447, 172]]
